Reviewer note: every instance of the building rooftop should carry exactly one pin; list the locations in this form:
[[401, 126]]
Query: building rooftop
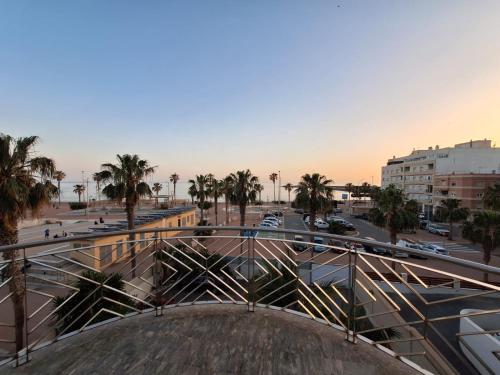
[[212, 339]]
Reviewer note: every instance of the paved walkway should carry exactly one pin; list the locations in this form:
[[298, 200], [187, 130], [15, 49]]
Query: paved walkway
[[212, 339]]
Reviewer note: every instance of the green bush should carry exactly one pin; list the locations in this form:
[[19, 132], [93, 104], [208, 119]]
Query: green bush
[[77, 205]]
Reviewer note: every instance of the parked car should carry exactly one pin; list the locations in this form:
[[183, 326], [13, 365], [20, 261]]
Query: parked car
[[374, 249], [400, 254], [347, 225], [268, 225], [297, 245], [299, 211], [337, 211], [273, 217], [278, 213], [435, 249], [363, 216], [318, 248], [338, 246], [320, 224], [272, 221], [355, 246], [412, 245], [422, 224], [437, 229]]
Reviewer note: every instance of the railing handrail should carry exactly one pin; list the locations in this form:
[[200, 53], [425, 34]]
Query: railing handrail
[[92, 236]]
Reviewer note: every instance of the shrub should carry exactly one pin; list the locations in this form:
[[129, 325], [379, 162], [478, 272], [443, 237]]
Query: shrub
[[77, 205], [336, 228], [206, 205]]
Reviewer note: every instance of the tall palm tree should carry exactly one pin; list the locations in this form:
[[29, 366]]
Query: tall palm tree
[[79, 189], [215, 191], [274, 177], [311, 191], [288, 187], [97, 177], [450, 210], [173, 179], [492, 197], [258, 189], [393, 212], [157, 188], [227, 190], [484, 229], [243, 191], [126, 181], [59, 176], [20, 192], [199, 186]]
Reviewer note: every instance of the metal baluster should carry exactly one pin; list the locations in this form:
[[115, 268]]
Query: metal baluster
[[25, 262], [251, 276], [157, 276]]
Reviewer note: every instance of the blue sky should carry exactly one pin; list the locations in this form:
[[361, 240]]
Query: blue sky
[[214, 86]]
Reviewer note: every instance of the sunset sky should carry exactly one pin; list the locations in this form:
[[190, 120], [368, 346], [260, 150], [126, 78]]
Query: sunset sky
[[336, 87]]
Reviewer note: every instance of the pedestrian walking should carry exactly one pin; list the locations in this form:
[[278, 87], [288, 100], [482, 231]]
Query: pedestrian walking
[[47, 233]]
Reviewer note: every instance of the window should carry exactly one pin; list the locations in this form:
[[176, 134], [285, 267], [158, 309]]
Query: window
[[119, 249], [453, 184], [480, 195], [105, 254], [429, 189], [179, 222], [183, 221], [430, 166]]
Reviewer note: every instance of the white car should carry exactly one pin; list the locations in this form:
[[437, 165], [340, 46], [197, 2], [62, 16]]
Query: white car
[[320, 224], [272, 222], [435, 249]]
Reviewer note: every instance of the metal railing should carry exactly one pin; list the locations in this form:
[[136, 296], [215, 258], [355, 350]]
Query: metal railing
[[408, 307]]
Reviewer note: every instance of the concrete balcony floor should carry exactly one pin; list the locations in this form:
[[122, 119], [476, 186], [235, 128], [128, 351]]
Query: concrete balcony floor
[[211, 339]]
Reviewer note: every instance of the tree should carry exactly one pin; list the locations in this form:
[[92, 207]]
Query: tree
[[97, 177], [393, 213], [199, 188], [79, 189], [259, 188], [20, 193], [216, 191], [192, 193], [492, 197], [173, 179], [484, 229], [274, 177], [227, 190], [288, 187], [75, 311], [451, 211], [126, 181], [310, 192], [59, 176], [157, 188], [243, 191]]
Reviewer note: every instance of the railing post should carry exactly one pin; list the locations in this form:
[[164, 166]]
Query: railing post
[[251, 278], [157, 277], [26, 336], [351, 316]]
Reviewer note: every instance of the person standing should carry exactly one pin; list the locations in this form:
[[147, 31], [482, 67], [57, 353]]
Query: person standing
[[47, 233]]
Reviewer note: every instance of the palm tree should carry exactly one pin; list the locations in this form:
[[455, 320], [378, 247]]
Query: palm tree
[[76, 310], [97, 177], [227, 190], [59, 176], [450, 210], [126, 181], [349, 187], [20, 192], [79, 189], [485, 229], [288, 187], [199, 186], [216, 191], [192, 192], [393, 213], [243, 191], [492, 197], [173, 179], [157, 188], [311, 191], [258, 189], [274, 177]]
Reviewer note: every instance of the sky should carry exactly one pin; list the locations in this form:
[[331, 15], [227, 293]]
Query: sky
[[335, 87]]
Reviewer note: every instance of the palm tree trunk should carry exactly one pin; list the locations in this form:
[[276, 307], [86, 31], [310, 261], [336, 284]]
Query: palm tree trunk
[[450, 235], [202, 204], [227, 210], [394, 239], [216, 210], [174, 191], [243, 208], [59, 191], [129, 208], [79, 197], [8, 236], [274, 190], [288, 198]]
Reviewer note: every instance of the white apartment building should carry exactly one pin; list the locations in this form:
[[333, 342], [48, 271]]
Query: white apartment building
[[418, 173]]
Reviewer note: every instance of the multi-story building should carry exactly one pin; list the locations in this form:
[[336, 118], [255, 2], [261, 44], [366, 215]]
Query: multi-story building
[[462, 172]]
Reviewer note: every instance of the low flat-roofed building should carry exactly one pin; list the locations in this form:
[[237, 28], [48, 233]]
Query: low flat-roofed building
[[100, 253]]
